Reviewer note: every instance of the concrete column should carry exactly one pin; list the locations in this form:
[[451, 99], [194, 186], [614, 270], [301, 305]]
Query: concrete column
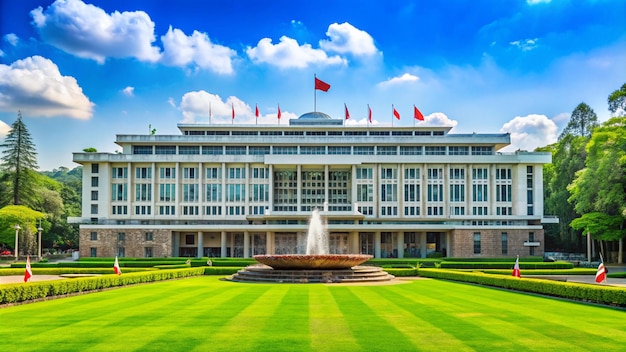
[[246, 244], [448, 244], [377, 244], [223, 244], [200, 245], [400, 244], [269, 242], [353, 242], [175, 243], [423, 244]]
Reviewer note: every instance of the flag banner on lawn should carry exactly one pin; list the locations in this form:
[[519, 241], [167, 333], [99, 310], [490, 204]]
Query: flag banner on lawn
[[321, 85], [347, 112], [256, 112], [417, 114], [396, 113], [369, 113], [279, 114], [28, 273], [516, 268], [602, 271], [116, 267]]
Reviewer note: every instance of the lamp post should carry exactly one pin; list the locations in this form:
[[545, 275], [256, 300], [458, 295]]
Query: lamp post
[[17, 230], [39, 229]]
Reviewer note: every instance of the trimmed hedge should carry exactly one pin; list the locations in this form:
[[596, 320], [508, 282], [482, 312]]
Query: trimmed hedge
[[20, 292], [505, 265], [609, 295], [402, 272], [61, 271], [498, 259], [221, 270], [575, 271]]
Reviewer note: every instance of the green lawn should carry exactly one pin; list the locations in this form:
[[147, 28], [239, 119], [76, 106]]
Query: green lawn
[[205, 314]]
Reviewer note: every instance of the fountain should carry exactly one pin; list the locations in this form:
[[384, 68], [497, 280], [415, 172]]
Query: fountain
[[317, 265]]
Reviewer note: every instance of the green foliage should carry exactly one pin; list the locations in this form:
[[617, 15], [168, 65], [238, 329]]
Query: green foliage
[[19, 162], [51, 269], [601, 186], [601, 225], [505, 265], [26, 218], [583, 292], [221, 270], [12, 293], [581, 123], [617, 100], [402, 272]]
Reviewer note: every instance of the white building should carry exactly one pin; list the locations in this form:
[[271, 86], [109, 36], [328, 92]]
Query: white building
[[241, 190]]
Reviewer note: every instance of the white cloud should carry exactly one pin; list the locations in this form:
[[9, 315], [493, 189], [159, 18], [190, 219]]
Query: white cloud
[[171, 101], [12, 39], [196, 49], [89, 32], [128, 91], [195, 107], [346, 39], [289, 54], [4, 129], [405, 78], [526, 44], [530, 132], [438, 119], [36, 87], [1, 53]]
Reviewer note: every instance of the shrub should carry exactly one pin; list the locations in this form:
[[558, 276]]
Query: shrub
[[402, 272], [583, 292]]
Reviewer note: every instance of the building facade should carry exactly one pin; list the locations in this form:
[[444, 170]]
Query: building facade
[[241, 190]]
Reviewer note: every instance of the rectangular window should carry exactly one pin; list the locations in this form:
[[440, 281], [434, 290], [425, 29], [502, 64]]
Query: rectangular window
[[235, 150], [285, 150], [435, 174], [189, 149], [167, 192], [476, 242], [364, 150], [482, 150], [190, 239], [412, 174], [388, 193], [435, 193], [236, 173], [457, 174], [411, 193], [94, 181], [165, 149], [480, 174], [149, 236], [147, 252], [258, 150], [121, 236], [190, 193], [143, 192], [214, 193], [458, 150], [479, 193], [411, 150], [365, 193], [505, 243], [338, 150], [93, 252], [364, 174], [167, 172], [312, 150], [94, 195], [435, 150], [120, 172], [190, 173], [94, 236], [214, 173], [143, 173], [457, 193], [94, 168], [212, 150], [94, 209], [142, 149], [388, 173], [386, 150]]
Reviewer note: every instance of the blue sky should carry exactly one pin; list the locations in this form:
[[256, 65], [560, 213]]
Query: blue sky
[[82, 72]]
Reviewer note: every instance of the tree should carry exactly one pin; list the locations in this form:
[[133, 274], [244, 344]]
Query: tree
[[601, 186], [19, 161], [617, 101], [90, 150], [581, 123], [28, 220]]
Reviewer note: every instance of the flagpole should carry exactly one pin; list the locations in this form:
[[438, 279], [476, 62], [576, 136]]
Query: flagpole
[[209, 112], [314, 94], [392, 108]]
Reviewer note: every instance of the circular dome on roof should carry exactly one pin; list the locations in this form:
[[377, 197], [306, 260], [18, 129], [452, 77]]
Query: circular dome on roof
[[314, 115]]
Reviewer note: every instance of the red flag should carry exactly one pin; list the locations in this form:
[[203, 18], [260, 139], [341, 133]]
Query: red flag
[[256, 113], [347, 112], [396, 113], [369, 113], [233, 108], [321, 85], [28, 273], [417, 114], [116, 267], [279, 114], [602, 271], [516, 268]]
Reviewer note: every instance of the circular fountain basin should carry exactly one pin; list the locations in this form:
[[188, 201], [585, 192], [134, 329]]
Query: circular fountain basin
[[312, 261]]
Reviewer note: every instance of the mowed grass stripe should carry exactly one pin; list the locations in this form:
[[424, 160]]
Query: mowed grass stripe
[[476, 327], [328, 326], [256, 316], [367, 323], [417, 328], [530, 317], [507, 314], [164, 318]]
